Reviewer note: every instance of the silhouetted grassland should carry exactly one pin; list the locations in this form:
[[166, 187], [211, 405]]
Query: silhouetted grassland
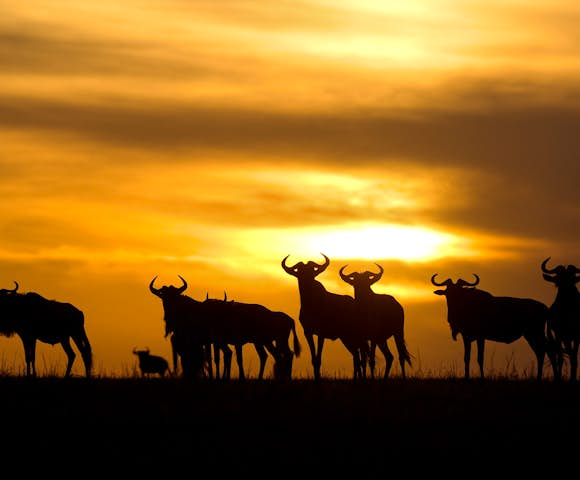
[[263, 427]]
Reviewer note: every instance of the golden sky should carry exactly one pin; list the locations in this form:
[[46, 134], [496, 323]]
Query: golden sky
[[210, 139]]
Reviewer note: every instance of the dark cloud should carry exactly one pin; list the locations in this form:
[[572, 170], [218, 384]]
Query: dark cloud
[[528, 175]]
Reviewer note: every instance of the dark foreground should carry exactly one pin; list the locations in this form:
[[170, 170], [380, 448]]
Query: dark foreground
[[271, 430]]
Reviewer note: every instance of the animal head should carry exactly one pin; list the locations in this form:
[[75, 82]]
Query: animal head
[[167, 291], [306, 271], [452, 288], [361, 279], [141, 353], [7, 291], [560, 275]]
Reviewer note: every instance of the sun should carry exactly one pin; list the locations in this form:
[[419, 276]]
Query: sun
[[370, 242]]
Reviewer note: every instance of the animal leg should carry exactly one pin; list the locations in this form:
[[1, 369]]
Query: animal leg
[[539, 346], [480, 354], [466, 357], [372, 357], [389, 357], [240, 360], [29, 357], [263, 356]]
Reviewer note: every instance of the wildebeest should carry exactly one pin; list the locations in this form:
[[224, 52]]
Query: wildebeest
[[564, 314], [381, 317], [268, 330], [195, 324], [181, 315], [479, 316], [34, 318], [151, 364], [327, 315]]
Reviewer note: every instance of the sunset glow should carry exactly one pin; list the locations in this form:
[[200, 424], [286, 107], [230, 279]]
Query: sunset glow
[[210, 139]]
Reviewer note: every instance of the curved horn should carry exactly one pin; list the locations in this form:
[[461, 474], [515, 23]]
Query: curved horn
[[437, 284], [473, 284], [287, 269], [380, 274], [154, 291], [15, 288], [325, 264], [184, 286], [342, 275], [545, 269]]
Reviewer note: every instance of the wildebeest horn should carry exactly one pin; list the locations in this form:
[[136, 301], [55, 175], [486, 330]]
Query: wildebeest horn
[[154, 291], [183, 287], [342, 275], [437, 284], [225, 296], [15, 288], [545, 269], [286, 268], [325, 264], [378, 275], [474, 283]]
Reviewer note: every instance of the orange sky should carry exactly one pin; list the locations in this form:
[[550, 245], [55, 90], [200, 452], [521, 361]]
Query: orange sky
[[211, 139]]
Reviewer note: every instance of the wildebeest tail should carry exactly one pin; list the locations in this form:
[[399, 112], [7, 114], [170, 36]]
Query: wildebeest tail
[[82, 342], [404, 354]]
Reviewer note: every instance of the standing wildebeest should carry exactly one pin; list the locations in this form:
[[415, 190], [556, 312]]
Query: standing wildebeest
[[189, 341], [34, 318], [564, 314], [381, 317], [479, 316], [151, 364], [196, 325], [326, 315], [268, 330]]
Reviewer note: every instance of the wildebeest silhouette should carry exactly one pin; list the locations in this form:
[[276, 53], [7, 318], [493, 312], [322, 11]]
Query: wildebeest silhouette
[[151, 364], [564, 314], [327, 315], [268, 330], [34, 318], [181, 315], [381, 317], [478, 316], [194, 324]]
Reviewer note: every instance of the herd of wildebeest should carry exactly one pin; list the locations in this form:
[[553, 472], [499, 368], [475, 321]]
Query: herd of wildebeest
[[203, 332]]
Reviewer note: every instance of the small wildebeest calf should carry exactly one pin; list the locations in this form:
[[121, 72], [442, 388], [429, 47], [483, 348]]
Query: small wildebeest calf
[[151, 364]]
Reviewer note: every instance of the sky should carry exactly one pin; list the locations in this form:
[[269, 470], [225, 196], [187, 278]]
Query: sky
[[210, 139]]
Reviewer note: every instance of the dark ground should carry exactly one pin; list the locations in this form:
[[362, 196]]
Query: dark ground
[[264, 429]]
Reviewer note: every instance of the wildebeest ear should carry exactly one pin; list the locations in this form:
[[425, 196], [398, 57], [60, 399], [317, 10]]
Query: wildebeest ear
[[439, 292], [549, 278]]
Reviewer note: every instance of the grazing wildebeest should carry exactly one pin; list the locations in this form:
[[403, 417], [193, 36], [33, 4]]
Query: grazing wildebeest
[[327, 315], [381, 317], [564, 314], [479, 316], [151, 364], [34, 318]]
